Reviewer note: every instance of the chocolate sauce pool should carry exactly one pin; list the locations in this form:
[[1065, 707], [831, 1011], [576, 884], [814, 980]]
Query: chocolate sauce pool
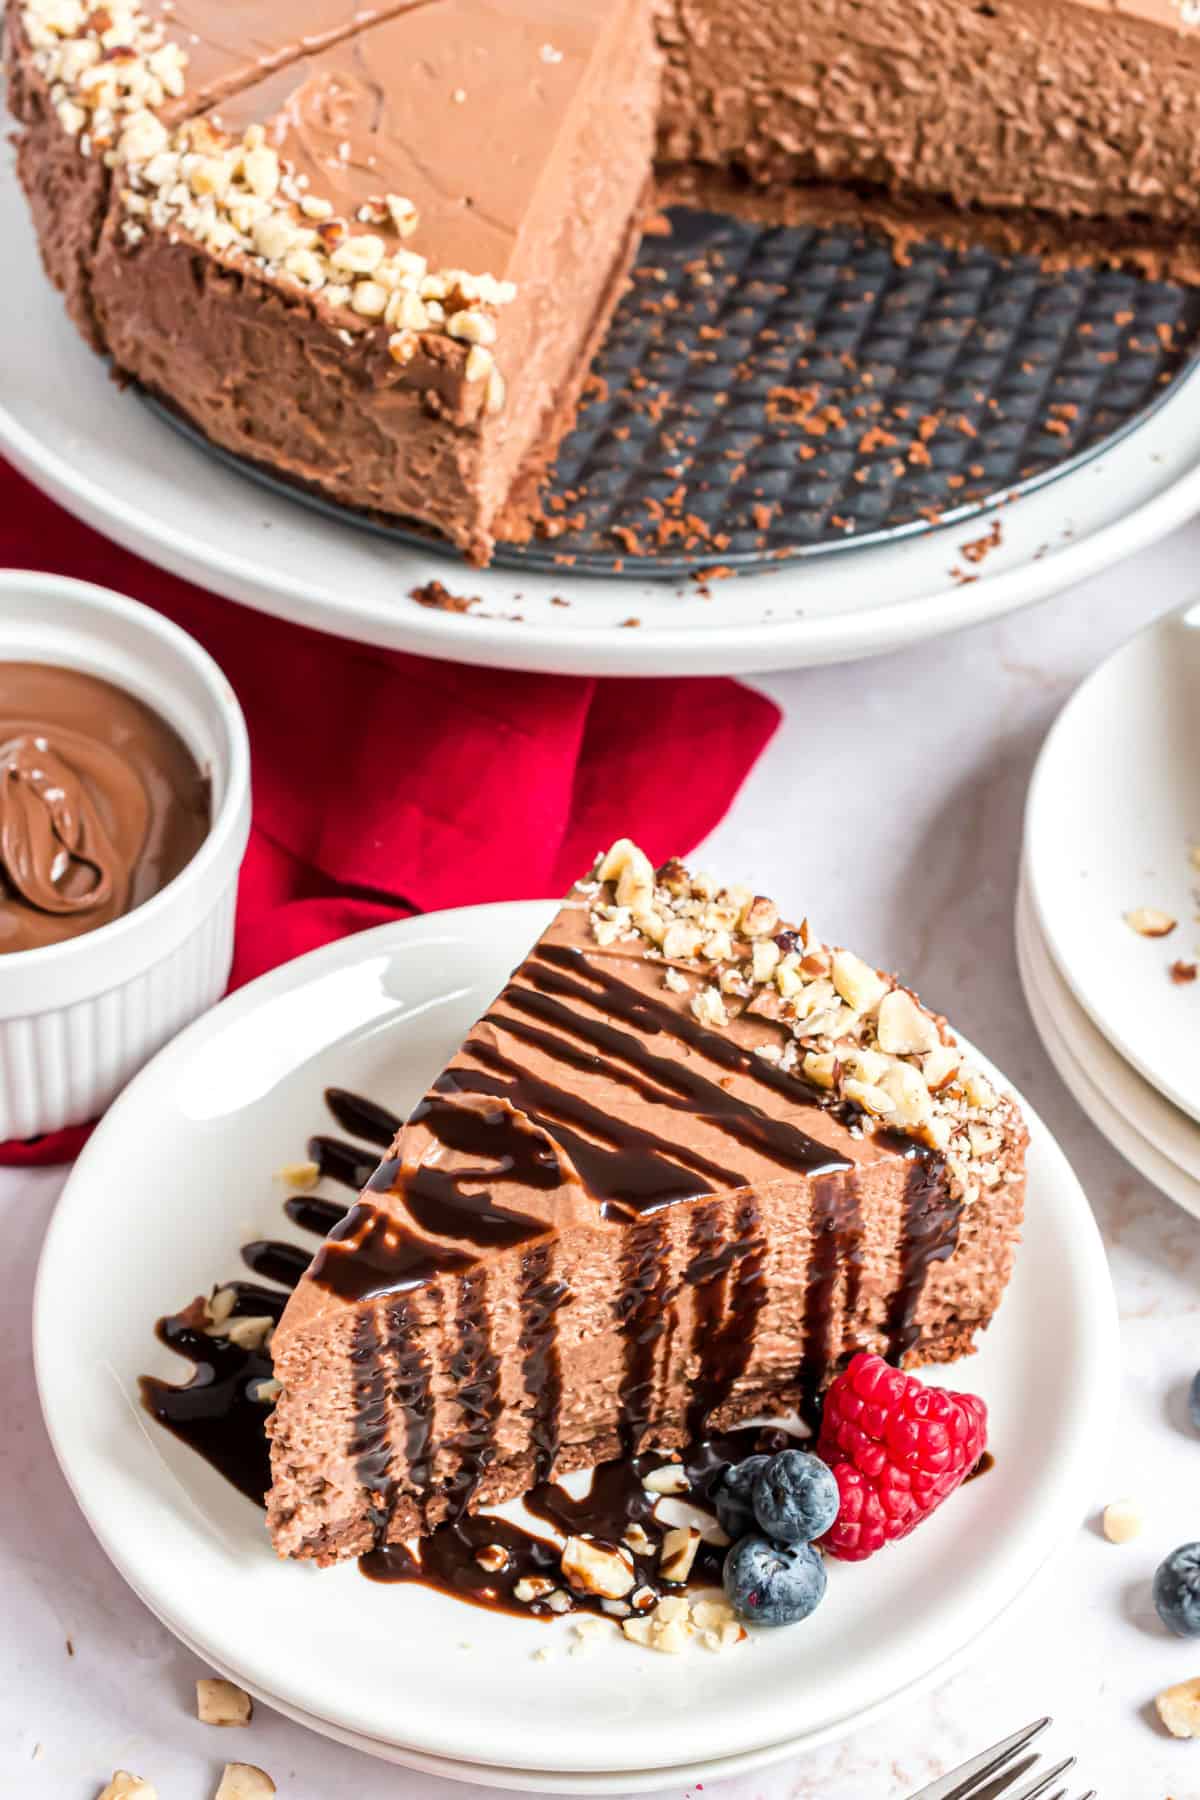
[[221, 1413]]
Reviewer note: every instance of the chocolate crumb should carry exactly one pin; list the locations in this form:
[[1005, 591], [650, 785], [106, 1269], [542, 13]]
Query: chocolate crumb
[[435, 594], [978, 548]]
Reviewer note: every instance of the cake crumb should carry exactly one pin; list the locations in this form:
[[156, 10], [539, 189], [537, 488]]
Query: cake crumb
[[1184, 972], [435, 594], [978, 548]]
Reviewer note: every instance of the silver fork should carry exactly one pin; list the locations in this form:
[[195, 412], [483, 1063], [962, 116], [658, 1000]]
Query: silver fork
[[990, 1776]]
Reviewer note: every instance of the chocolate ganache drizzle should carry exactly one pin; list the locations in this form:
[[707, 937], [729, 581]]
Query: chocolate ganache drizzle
[[101, 804]]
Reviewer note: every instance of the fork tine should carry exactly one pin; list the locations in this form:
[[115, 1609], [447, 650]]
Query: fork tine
[[1037, 1789], [964, 1781]]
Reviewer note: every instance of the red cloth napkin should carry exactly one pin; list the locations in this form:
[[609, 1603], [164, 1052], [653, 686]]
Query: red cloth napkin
[[387, 784]]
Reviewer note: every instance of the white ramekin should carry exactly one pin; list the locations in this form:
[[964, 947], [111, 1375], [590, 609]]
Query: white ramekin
[[78, 1019]]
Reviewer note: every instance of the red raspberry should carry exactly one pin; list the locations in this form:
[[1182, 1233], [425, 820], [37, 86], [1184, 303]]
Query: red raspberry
[[897, 1450]]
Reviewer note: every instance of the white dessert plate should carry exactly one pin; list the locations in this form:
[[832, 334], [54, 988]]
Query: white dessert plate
[[530, 1781], [102, 454], [178, 1175], [1121, 1106], [1112, 816]]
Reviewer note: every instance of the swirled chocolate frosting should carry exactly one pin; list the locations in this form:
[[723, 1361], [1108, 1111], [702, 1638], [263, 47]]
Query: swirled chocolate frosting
[[101, 804]]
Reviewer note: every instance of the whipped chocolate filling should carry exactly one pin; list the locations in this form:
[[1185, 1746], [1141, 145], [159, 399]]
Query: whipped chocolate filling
[[219, 1413], [101, 804]]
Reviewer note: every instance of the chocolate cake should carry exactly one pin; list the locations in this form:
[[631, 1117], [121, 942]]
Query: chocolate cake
[[373, 247], [686, 1164]]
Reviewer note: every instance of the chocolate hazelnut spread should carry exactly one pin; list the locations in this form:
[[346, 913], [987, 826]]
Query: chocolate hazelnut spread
[[101, 804]]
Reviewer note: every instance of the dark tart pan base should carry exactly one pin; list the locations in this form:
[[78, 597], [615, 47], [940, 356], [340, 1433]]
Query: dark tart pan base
[[768, 392]]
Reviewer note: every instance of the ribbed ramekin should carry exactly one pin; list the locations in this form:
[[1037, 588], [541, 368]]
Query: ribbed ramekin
[[78, 1019]]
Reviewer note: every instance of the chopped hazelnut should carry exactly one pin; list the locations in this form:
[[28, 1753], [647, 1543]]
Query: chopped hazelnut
[[1149, 921], [594, 1568], [679, 1553], [125, 1786], [671, 1478], [760, 918], [903, 1029], [1122, 1521], [531, 1588], [221, 1703], [301, 1176], [1179, 1709], [250, 1332], [242, 1781], [859, 985]]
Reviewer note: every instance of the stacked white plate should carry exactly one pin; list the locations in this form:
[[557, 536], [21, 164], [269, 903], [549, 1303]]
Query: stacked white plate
[[1112, 833]]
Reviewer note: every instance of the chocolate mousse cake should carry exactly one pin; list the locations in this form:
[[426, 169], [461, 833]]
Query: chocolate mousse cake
[[372, 247], [688, 1162]]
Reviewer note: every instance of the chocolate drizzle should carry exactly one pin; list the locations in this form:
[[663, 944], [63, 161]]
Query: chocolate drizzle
[[631, 1170], [931, 1220], [411, 1395], [476, 1374], [686, 1090], [284, 1263], [541, 1369], [216, 1413], [361, 1117], [835, 1243], [616, 1500], [641, 1313], [730, 1292], [369, 1257], [370, 1441]]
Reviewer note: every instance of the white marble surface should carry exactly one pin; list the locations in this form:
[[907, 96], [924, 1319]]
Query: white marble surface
[[890, 807]]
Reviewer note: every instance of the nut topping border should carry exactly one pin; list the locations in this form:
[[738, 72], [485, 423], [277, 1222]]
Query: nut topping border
[[851, 1033], [110, 69]]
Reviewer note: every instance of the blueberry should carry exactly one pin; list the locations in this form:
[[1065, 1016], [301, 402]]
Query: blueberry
[[1194, 1400], [733, 1496], [795, 1497], [1177, 1591], [773, 1584]]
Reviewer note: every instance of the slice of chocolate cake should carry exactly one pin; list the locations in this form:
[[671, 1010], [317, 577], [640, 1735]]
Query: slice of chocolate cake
[[85, 79], [384, 269], [687, 1163]]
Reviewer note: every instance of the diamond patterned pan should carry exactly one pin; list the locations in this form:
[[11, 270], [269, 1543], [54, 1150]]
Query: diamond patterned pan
[[768, 392]]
